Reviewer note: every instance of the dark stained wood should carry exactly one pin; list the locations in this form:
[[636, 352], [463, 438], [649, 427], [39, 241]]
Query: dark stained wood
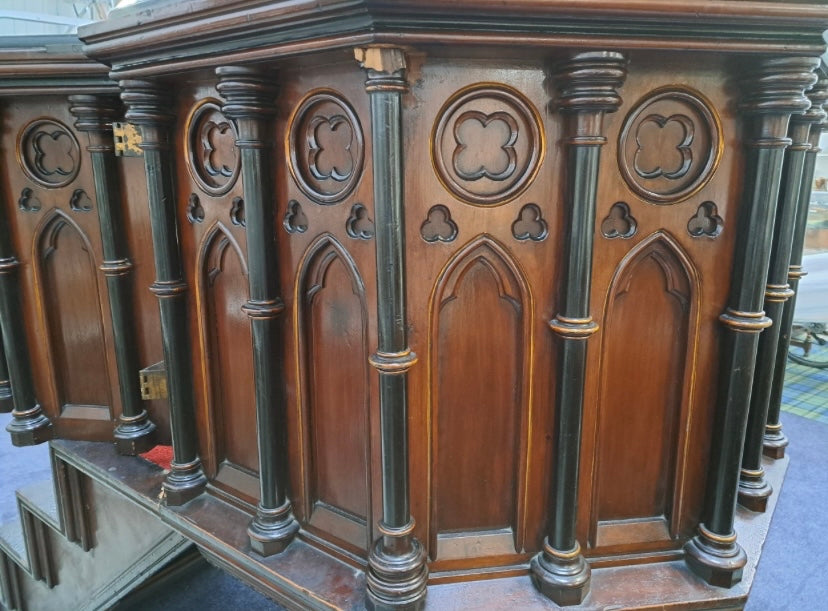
[[775, 441], [6, 403], [531, 241]]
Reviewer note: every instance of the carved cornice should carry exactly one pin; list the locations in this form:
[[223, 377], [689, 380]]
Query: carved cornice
[[167, 37]]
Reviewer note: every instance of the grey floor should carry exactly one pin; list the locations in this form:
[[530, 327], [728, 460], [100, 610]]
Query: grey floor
[[792, 574]]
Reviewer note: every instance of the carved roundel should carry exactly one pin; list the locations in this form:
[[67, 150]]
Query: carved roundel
[[213, 159], [325, 147], [670, 145], [487, 144], [49, 153]]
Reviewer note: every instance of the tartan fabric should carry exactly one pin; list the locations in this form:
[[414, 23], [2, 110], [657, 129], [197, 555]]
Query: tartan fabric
[[806, 392]]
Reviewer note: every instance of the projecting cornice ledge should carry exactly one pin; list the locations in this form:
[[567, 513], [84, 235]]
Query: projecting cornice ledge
[[168, 36]]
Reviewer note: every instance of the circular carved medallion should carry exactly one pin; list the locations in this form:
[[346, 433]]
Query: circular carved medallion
[[49, 153], [487, 144], [213, 159], [325, 147], [670, 145]]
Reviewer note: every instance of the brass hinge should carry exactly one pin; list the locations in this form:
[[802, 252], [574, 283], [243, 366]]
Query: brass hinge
[[127, 140], [154, 382]]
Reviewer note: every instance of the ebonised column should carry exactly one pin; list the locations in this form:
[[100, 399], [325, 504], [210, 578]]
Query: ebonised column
[[150, 107], [587, 89], [754, 490], [773, 89], [6, 403], [397, 569], [134, 433], [250, 103], [775, 440], [29, 425]]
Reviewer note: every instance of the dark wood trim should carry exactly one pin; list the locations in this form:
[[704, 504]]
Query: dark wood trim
[[249, 101], [397, 570], [588, 86], [134, 432], [6, 402], [149, 107], [775, 440], [773, 90], [29, 425]]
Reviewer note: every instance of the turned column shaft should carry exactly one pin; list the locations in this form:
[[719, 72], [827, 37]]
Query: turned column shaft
[[397, 570], [149, 108], [587, 86], [6, 404], [775, 440], [774, 90], [29, 425], [134, 432], [250, 102]]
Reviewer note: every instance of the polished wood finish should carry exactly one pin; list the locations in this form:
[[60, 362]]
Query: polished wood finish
[[248, 98], [135, 432], [148, 107], [775, 441], [6, 403], [527, 219], [774, 90]]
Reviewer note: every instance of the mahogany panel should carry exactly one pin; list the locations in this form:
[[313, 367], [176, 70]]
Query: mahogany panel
[[68, 294], [222, 292], [476, 460], [644, 374], [332, 320]]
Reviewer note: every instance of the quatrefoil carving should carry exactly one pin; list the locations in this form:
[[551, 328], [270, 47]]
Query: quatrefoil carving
[[438, 226], [359, 226], [329, 148], [530, 224], [295, 220], [237, 214], [28, 201], [195, 211], [80, 201], [475, 157], [649, 159], [706, 221], [619, 223]]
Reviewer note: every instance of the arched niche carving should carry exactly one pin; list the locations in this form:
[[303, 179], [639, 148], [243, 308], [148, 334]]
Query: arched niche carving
[[649, 336], [331, 322], [227, 357], [66, 284], [479, 371]]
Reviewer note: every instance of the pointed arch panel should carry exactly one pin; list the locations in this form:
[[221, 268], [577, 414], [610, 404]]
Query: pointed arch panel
[[332, 324], [649, 331], [480, 339]]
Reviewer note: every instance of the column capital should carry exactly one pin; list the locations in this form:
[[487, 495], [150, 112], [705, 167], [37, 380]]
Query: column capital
[[588, 82], [249, 92], [385, 66], [94, 113], [776, 87], [148, 103]]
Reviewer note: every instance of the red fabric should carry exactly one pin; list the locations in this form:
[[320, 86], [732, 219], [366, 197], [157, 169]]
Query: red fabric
[[160, 455]]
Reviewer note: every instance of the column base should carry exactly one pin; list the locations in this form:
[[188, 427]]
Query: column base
[[562, 577], [775, 442], [134, 435], [396, 582], [754, 490], [184, 483], [272, 530], [30, 428], [716, 559], [6, 402]]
